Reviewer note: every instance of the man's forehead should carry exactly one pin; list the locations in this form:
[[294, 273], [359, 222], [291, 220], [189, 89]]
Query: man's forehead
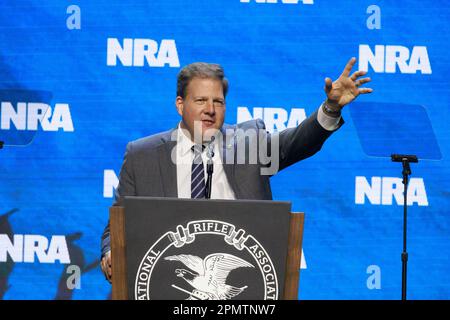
[[198, 85]]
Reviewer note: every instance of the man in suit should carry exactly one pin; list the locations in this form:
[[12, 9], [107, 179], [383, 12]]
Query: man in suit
[[171, 163]]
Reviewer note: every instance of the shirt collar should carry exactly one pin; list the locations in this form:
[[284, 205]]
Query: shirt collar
[[184, 144]]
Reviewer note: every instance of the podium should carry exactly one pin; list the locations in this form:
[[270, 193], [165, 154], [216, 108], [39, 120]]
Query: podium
[[191, 249]]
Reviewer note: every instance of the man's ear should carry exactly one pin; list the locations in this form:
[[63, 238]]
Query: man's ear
[[179, 103]]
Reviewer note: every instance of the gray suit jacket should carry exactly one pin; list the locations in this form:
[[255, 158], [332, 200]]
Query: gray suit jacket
[[148, 170]]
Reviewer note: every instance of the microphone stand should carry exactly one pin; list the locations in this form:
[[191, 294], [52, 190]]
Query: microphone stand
[[209, 169], [405, 160]]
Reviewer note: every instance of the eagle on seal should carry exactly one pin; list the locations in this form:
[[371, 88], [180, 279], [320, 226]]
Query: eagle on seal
[[210, 274]]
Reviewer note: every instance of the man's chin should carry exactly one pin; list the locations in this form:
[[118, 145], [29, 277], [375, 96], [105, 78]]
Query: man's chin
[[208, 132], [203, 131]]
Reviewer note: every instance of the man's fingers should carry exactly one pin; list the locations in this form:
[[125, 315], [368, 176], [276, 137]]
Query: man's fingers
[[349, 67], [328, 84], [362, 81], [108, 277], [106, 267], [105, 273], [109, 273], [365, 90], [357, 74]]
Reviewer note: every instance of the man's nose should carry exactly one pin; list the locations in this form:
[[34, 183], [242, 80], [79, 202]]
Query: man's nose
[[209, 108]]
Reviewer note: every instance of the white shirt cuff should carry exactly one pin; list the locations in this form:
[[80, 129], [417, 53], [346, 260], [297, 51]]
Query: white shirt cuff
[[327, 122]]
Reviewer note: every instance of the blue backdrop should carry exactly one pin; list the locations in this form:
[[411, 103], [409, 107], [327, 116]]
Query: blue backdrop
[[80, 79]]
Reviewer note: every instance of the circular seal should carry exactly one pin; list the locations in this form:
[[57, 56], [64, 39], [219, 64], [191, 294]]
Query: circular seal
[[204, 272]]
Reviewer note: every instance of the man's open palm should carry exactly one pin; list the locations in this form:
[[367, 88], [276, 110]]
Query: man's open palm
[[346, 88]]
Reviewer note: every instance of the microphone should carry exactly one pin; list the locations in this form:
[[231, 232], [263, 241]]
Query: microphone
[[210, 151], [209, 167]]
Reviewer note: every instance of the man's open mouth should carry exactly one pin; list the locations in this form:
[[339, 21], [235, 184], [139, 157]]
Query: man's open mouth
[[208, 122]]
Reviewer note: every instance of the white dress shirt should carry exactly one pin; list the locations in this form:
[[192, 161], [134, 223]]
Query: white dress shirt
[[221, 189]]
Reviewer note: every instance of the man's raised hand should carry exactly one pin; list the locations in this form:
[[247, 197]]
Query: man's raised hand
[[346, 88]]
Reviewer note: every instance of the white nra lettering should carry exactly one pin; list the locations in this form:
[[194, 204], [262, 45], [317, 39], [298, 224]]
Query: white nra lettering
[[25, 248], [134, 52], [110, 183], [303, 261], [386, 59], [27, 116], [276, 119], [381, 191]]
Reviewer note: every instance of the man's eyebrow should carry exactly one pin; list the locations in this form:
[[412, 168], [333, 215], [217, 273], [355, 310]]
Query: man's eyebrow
[[205, 97]]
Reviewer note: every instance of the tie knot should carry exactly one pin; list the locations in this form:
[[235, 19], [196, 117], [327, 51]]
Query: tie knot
[[198, 148]]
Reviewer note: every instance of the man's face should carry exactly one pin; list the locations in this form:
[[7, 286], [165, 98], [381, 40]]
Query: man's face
[[203, 108]]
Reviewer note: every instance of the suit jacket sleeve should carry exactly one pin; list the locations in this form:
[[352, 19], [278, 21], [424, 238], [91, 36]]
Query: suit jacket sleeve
[[305, 140], [126, 187]]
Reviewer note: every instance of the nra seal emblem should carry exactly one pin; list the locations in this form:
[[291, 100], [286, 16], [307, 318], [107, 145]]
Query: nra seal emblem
[[206, 260]]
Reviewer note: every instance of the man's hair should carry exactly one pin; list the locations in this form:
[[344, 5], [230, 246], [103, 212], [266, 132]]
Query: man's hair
[[201, 70]]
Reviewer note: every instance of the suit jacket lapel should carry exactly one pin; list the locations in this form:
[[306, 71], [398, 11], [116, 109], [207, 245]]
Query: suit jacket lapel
[[228, 156], [168, 169]]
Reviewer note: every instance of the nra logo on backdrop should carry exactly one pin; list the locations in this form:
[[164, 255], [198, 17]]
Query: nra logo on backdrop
[[142, 52], [389, 190], [30, 248], [25, 112], [394, 59], [275, 119], [31, 115]]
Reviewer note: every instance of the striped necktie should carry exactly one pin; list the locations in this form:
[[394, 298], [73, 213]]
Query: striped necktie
[[198, 186]]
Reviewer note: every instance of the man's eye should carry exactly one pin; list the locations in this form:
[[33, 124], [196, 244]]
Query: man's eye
[[200, 101]]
